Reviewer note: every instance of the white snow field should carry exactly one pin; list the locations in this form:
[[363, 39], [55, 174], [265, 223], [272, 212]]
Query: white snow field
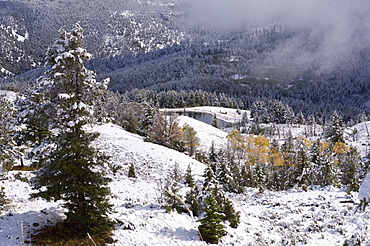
[[320, 216]]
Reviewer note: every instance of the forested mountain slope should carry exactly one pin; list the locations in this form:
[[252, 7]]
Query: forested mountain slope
[[313, 57]]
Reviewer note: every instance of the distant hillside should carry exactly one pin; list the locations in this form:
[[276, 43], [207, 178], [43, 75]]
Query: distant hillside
[[316, 65]]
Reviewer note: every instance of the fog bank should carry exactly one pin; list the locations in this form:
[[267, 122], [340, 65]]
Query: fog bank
[[341, 27]]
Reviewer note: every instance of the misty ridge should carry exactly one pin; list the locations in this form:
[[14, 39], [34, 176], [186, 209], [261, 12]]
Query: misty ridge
[[338, 31], [312, 55]]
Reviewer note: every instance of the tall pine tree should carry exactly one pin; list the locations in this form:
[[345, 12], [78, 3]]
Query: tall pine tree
[[73, 171]]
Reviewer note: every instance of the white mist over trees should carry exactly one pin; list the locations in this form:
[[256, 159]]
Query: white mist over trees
[[337, 29]]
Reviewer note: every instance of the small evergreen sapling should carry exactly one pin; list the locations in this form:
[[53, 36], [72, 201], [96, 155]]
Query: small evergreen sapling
[[230, 214], [131, 171], [171, 190], [350, 170], [189, 178], [211, 227], [192, 198]]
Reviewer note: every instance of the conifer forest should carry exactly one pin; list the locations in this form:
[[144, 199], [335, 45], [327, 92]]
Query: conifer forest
[[183, 122]]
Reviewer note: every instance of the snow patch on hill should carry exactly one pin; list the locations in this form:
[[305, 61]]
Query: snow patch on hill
[[9, 94], [320, 216]]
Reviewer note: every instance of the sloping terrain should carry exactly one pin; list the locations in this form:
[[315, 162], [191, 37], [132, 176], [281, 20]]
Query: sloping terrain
[[294, 217]]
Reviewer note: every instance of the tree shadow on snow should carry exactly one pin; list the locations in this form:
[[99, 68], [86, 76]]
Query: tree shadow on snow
[[16, 228]]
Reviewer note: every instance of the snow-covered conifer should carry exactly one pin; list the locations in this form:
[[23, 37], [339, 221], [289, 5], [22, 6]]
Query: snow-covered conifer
[[73, 171], [335, 130], [230, 214], [350, 169], [146, 120], [211, 227], [215, 121], [192, 197], [8, 149], [171, 190]]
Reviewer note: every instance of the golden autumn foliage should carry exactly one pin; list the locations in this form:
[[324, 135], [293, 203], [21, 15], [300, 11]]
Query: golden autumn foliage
[[236, 139], [260, 146], [258, 149], [237, 143], [276, 157], [306, 142], [340, 148]]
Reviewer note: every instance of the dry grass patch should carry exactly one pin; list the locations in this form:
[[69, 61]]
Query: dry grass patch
[[68, 235]]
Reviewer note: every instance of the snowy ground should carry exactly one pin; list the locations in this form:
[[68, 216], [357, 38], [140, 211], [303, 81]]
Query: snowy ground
[[225, 114], [315, 217], [8, 94]]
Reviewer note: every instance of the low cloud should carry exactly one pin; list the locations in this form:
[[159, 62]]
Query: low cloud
[[343, 26]]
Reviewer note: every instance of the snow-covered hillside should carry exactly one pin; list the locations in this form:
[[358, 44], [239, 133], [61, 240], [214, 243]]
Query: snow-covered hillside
[[8, 94], [295, 217]]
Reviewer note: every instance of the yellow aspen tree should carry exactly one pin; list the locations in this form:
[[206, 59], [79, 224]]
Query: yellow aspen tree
[[261, 149], [236, 143], [190, 139], [338, 150]]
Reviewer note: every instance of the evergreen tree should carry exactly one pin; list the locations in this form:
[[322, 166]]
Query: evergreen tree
[[131, 171], [189, 178], [312, 125], [215, 121], [325, 174], [289, 155], [8, 148], [146, 120], [260, 176], [224, 175], [300, 119], [211, 227], [335, 130], [275, 165], [192, 197], [350, 169], [259, 112], [230, 214], [130, 117], [35, 115], [171, 190], [302, 168], [230, 176], [73, 171], [210, 175], [212, 153]]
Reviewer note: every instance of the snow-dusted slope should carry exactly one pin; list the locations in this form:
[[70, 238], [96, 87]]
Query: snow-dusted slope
[[206, 133], [315, 217], [8, 94], [151, 161]]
